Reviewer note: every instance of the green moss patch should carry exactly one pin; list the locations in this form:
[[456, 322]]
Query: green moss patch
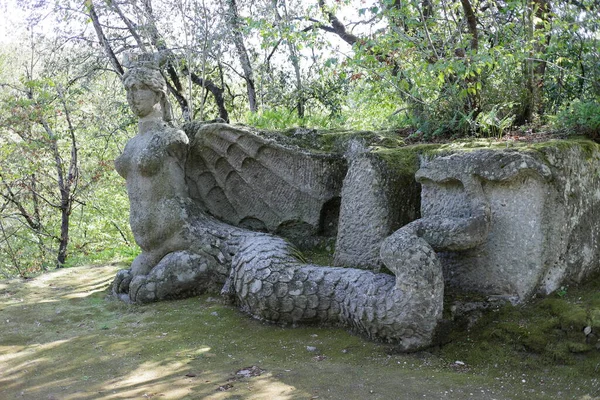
[[332, 141], [559, 330]]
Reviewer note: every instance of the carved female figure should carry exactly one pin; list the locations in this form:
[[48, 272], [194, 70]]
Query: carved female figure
[[153, 166]]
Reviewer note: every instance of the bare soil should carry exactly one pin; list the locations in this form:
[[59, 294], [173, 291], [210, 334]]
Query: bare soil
[[62, 337]]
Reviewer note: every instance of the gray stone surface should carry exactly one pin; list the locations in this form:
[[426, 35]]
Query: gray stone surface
[[511, 186], [543, 223], [376, 200], [505, 223], [364, 216], [250, 181], [270, 283], [573, 215]]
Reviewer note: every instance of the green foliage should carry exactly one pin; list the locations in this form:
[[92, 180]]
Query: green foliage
[[493, 123], [581, 117], [47, 115], [275, 119]]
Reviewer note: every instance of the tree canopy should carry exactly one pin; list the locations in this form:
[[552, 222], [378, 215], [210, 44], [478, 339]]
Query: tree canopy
[[434, 68]]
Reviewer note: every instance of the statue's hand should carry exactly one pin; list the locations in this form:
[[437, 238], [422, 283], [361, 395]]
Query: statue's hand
[[178, 274], [120, 286]]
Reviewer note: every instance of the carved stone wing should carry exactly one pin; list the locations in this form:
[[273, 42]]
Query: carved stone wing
[[254, 182]]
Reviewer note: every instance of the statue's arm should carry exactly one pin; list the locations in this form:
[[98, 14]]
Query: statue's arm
[[177, 144]]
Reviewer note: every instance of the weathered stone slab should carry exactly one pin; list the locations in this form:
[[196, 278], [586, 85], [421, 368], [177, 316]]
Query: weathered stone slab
[[377, 199], [544, 223]]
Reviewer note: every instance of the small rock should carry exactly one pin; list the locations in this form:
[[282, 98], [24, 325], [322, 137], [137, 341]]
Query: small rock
[[250, 371], [214, 314], [459, 363], [587, 330], [225, 387], [311, 348]]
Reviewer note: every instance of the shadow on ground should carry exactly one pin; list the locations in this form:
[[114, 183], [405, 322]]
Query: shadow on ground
[[62, 338]]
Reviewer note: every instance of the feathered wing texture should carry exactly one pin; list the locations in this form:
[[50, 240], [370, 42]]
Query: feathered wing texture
[[247, 180]]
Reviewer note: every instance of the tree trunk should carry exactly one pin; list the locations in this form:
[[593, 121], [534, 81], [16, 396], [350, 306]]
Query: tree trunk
[[238, 40], [535, 67], [473, 95], [294, 58], [216, 91], [103, 40], [63, 242]]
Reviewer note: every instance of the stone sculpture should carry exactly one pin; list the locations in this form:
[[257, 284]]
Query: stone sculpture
[[507, 223], [256, 183], [176, 257], [186, 251], [501, 222]]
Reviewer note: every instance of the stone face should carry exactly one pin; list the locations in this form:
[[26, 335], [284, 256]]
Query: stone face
[[544, 213], [508, 260]]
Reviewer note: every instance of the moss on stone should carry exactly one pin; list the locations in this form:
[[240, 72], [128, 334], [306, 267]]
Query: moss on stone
[[331, 141], [589, 149], [548, 331], [403, 160]]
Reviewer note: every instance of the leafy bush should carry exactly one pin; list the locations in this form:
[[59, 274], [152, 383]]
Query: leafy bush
[[274, 119], [583, 117]]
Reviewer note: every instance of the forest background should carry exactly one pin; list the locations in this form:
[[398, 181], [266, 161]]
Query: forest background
[[422, 69]]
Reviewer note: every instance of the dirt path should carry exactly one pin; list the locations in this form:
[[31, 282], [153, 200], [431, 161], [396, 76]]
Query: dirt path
[[61, 338]]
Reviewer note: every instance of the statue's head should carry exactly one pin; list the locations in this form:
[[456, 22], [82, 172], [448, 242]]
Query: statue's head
[[146, 89]]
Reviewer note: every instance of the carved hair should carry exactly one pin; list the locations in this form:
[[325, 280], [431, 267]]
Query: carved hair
[[150, 75]]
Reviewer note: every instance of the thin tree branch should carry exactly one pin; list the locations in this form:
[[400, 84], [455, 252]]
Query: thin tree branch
[[102, 38]]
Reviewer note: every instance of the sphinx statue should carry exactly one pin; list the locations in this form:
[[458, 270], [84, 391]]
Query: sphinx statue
[[207, 204], [187, 251]]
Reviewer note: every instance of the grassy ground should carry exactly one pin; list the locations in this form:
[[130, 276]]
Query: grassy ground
[[62, 338]]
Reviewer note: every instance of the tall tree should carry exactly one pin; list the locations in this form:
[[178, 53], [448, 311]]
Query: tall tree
[[235, 24], [284, 28]]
